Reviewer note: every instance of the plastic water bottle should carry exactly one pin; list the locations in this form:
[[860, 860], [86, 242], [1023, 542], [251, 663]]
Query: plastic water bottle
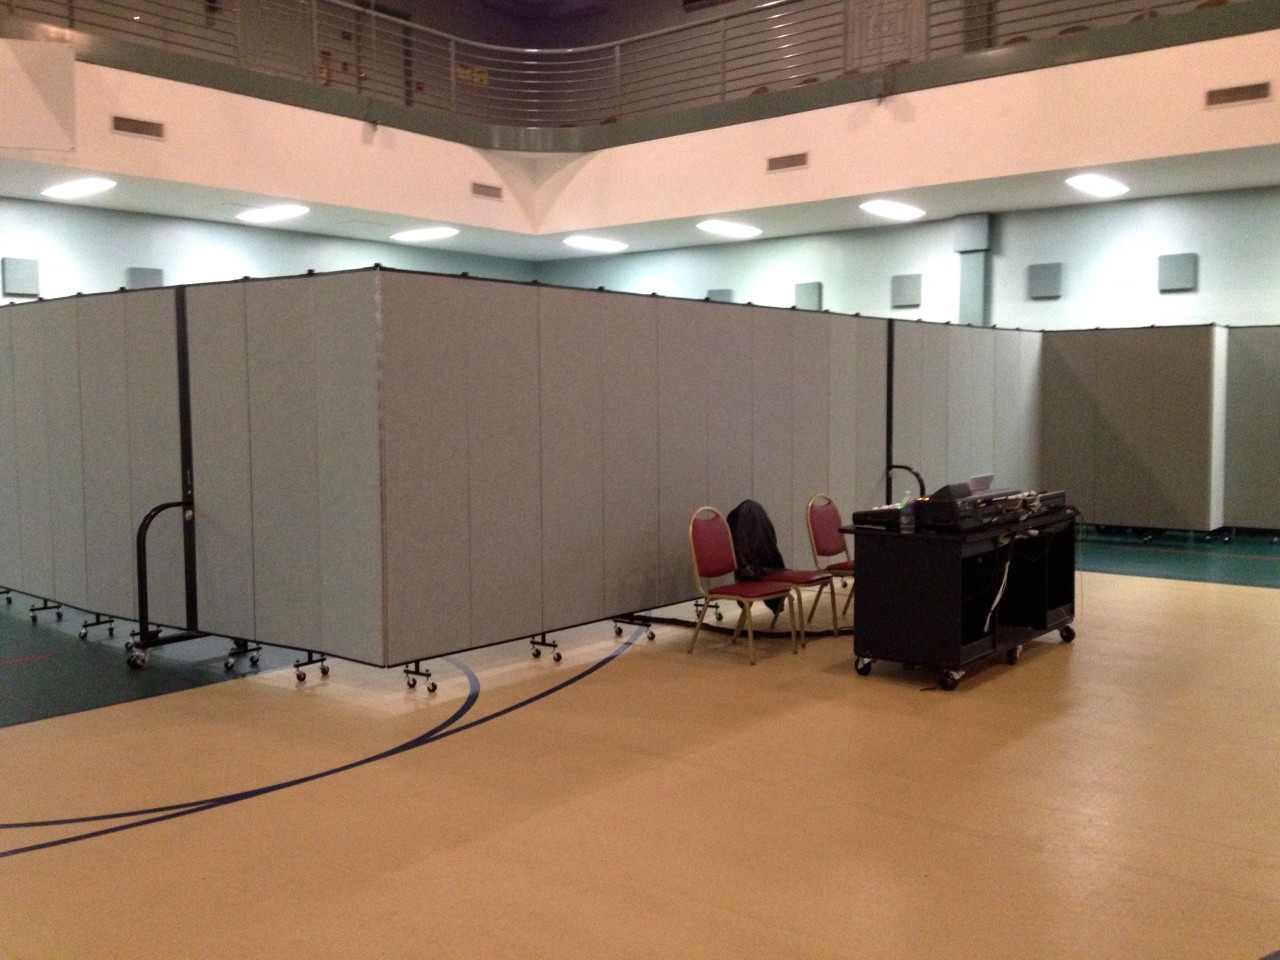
[[906, 518]]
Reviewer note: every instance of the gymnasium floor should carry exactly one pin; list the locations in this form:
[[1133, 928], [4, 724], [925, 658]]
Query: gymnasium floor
[[1114, 797]]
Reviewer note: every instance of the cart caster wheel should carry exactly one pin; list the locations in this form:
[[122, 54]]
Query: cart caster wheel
[[949, 680], [431, 686], [557, 656], [1011, 655], [111, 631], [651, 635], [411, 681], [137, 659], [128, 645], [324, 669], [1067, 634], [617, 630], [84, 633], [301, 675], [253, 659], [537, 652], [228, 663], [719, 615], [863, 666], [58, 616], [33, 618]]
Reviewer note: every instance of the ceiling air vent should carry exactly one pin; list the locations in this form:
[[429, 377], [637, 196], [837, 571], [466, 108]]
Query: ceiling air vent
[[792, 161], [1250, 91], [143, 128], [486, 190]]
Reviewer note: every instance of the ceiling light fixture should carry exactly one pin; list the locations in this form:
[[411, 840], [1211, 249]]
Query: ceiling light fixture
[[892, 210], [273, 214], [1096, 185], [595, 244], [423, 234], [727, 228], [75, 189]]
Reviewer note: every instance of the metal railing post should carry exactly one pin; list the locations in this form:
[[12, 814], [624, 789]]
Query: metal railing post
[[617, 80], [314, 72], [724, 61], [453, 75]]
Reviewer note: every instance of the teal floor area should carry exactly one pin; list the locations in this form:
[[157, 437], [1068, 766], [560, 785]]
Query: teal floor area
[[1249, 558], [46, 670]]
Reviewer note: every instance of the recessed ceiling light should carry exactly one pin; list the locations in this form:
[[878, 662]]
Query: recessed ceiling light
[[273, 214], [727, 228], [595, 244], [1096, 185], [422, 234], [75, 189], [892, 210]]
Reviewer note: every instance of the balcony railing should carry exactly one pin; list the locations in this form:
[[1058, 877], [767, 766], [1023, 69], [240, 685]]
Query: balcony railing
[[777, 45]]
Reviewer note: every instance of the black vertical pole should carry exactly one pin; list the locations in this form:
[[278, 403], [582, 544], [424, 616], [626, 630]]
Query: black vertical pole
[[888, 419], [188, 481]]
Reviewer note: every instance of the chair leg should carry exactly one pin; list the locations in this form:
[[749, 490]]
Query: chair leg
[[742, 619], [835, 621], [702, 612], [796, 602], [818, 596], [848, 602], [751, 633]]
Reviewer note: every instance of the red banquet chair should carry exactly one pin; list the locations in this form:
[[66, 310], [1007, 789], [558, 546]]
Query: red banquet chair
[[711, 545], [828, 543]]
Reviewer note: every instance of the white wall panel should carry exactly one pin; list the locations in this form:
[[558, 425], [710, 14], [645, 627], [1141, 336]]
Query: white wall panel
[[35, 504], [110, 526], [1252, 482], [10, 518], [426, 468], [348, 463], [503, 429], [218, 354], [66, 456], [155, 459]]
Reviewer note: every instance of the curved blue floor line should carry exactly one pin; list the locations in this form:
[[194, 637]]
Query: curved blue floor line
[[439, 732]]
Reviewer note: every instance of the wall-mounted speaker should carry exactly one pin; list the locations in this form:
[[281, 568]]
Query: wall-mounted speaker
[[904, 290], [1044, 281]]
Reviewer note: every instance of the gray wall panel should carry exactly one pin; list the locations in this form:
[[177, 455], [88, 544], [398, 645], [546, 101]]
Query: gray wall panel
[[10, 518], [503, 427], [66, 456], [773, 420], [811, 426], [426, 471], [1068, 460], [110, 527], [683, 358], [218, 351], [348, 469], [729, 352], [631, 507], [857, 419], [287, 539], [1252, 483], [573, 387], [971, 401], [155, 460], [35, 503], [1016, 409]]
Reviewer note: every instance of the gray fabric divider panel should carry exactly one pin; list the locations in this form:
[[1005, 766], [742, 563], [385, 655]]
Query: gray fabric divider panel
[[35, 501], [1252, 483], [503, 430], [1015, 410], [773, 419], [811, 426], [686, 361], [348, 464], [921, 369], [1153, 459], [66, 456], [426, 469], [859, 348], [1068, 415], [218, 353], [728, 350], [573, 387], [970, 403], [10, 518], [110, 526], [155, 459], [283, 427], [631, 491]]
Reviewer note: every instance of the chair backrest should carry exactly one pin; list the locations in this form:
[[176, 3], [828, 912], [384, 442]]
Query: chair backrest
[[711, 544], [824, 529]]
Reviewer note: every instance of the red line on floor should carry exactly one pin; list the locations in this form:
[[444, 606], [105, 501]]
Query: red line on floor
[[10, 663]]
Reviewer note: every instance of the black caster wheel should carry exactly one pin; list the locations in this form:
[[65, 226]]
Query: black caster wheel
[[863, 666], [1012, 654], [137, 660], [411, 681], [111, 631], [33, 618], [617, 630], [1067, 634], [228, 663], [651, 635], [537, 652], [557, 656], [128, 645], [949, 680], [301, 675], [324, 669], [431, 686], [84, 633], [719, 615], [253, 659], [58, 616]]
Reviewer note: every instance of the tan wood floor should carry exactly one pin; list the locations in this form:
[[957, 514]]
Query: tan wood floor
[[1114, 797]]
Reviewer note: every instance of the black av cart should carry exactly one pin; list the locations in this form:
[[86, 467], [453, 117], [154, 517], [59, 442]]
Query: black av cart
[[948, 598]]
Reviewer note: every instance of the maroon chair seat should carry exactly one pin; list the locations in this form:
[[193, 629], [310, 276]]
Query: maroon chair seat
[[828, 543]]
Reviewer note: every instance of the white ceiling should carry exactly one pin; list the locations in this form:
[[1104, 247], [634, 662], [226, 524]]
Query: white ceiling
[[1228, 170]]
